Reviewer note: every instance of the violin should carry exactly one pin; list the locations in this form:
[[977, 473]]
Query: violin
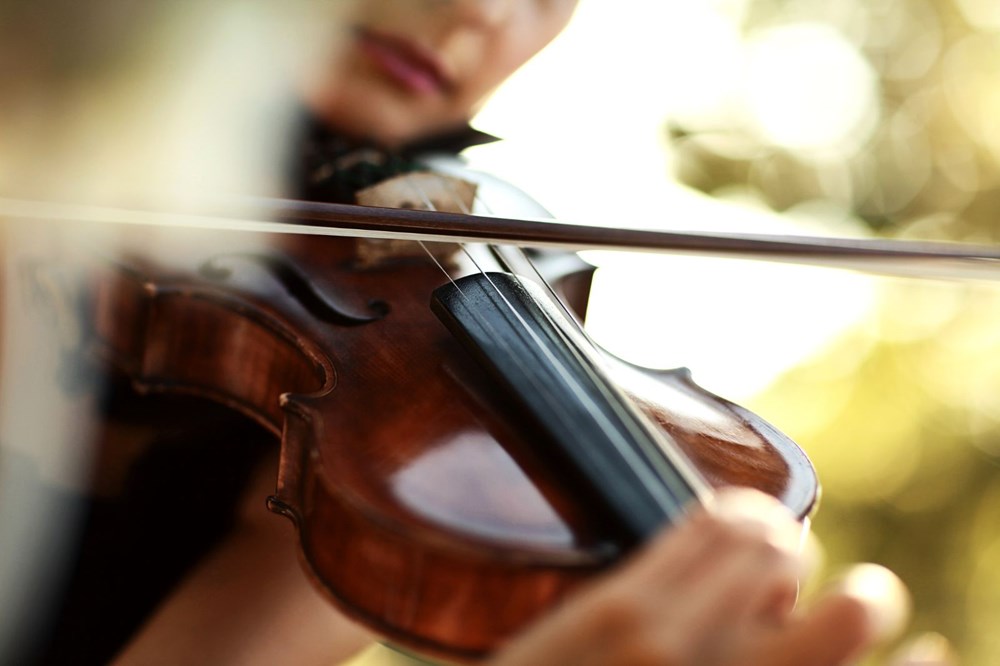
[[455, 455]]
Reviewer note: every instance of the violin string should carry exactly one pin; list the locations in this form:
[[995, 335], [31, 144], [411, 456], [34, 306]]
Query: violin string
[[460, 204], [624, 447], [682, 475], [688, 474], [456, 199], [621, 446]]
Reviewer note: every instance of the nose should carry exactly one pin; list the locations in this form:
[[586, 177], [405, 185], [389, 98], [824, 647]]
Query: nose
[[482, 13]]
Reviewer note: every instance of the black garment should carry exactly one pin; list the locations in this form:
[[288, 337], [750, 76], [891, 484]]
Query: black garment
[[134, 548]]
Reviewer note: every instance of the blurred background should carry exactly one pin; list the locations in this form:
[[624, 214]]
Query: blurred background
[[861, 118], [858, 118]]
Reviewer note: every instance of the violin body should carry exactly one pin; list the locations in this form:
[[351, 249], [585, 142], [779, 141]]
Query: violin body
[[426, 504]]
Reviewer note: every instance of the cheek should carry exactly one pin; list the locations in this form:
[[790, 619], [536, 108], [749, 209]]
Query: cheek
[[501, 61], [522, 39]]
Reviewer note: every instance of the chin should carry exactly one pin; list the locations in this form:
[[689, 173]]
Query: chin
[[376, 115]]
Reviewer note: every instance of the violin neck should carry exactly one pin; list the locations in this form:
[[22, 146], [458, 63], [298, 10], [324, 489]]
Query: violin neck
[[524, 341]]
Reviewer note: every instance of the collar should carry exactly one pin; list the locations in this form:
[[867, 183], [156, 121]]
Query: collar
[[330, 166]]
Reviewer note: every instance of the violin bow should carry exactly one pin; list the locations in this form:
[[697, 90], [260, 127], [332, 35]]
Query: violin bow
[[906, 258]]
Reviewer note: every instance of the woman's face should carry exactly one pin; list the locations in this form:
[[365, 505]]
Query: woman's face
[[406, 69]]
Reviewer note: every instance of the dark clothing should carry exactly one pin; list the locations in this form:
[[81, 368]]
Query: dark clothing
[[177, 504]]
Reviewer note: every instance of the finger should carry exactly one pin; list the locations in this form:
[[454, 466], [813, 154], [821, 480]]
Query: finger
[[796, 552], [747, 569], [868, 605], [699, 578], [837, 629], [695, 544], [752, 508], [753, 578]]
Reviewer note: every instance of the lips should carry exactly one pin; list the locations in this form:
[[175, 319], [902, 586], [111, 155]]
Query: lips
[[408, 64]]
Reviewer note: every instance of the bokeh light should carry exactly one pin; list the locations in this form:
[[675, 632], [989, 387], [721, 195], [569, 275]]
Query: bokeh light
[[807, 88]]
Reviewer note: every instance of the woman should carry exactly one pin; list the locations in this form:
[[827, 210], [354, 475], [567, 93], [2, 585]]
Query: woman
[[717, 589]]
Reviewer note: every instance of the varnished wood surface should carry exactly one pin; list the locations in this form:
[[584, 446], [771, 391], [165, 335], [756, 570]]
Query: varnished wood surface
[[425, 507]]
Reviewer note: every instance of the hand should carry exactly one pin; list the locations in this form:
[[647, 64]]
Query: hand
[[717, 589]]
